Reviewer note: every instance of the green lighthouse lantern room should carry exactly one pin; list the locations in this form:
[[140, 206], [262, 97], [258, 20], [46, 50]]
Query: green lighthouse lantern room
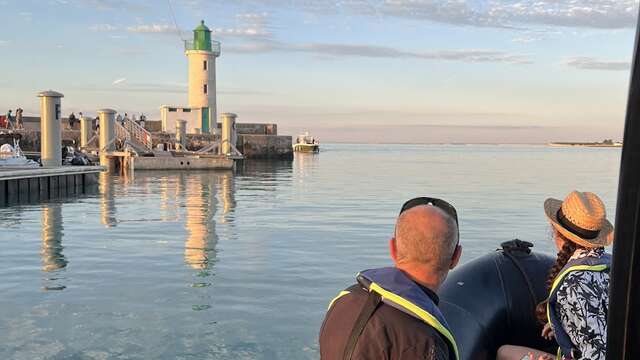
[[202, 37]]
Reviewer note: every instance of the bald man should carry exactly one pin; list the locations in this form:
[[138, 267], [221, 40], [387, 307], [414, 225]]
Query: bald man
[[392, 313]]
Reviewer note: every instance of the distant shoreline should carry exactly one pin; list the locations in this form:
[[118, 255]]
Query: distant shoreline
[[542, 144], [586, 144]]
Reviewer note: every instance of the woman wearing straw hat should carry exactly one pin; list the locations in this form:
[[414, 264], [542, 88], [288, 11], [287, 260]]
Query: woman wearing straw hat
[[575, 313]]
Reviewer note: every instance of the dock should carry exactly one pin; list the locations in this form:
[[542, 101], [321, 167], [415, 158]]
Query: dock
[[215, 162], [123, 161], [20, 185]]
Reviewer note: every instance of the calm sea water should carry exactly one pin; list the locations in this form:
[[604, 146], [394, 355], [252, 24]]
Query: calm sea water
[[241, 265]]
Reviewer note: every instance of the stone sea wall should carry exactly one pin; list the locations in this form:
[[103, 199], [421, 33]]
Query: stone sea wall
[[265, 146]]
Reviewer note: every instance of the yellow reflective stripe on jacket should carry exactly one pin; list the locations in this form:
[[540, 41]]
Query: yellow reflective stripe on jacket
[[560, 277], [425, 316], [341, 294], [563, 274]]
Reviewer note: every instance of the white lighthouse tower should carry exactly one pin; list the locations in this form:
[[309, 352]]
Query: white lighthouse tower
[[201, 53]]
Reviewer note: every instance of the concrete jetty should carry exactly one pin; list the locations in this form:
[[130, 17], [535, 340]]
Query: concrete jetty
[[26, 184], [20, 185], [192, 162]]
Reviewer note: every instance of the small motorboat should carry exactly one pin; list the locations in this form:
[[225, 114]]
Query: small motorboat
[[12, 156], [306, 143]]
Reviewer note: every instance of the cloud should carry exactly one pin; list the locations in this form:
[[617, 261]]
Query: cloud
[[605, 14], [161, 87], [589, 63], [253, 17], [249, 25], [526, 39], [126, 87], [373, 51], [517, 14], [4, 42], [103, 27], [252, 26], [248, 32], [129, 5], [153, 29]]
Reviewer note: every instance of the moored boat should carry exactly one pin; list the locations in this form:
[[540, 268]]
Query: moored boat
[[306, 143], [12, 156]]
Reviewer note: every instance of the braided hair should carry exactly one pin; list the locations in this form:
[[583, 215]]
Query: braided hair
[[568, 248]]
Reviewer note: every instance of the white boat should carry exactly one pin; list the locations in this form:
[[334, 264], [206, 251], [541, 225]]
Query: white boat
[[306, 143], [12, 156]]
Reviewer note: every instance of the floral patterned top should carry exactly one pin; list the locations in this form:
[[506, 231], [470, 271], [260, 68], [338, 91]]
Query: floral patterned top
[[582, 303]]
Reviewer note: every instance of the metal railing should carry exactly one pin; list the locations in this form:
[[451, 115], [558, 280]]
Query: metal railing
[[215, 46], [136, 133], [121, 132], [216, 147]]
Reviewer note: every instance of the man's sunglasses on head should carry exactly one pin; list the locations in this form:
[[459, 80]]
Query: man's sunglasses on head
[[439, 203]]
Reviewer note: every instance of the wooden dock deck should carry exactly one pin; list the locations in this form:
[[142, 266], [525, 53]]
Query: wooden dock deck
[[20, 185]]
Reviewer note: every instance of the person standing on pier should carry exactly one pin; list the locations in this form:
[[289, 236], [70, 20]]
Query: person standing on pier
[[392, 312], [9, 120], [19, 124], [72, 120]]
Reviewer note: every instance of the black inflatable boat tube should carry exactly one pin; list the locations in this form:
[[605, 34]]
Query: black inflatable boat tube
[[491, 301]]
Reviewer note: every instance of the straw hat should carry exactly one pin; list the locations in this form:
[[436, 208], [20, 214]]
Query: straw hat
[[581, 218]]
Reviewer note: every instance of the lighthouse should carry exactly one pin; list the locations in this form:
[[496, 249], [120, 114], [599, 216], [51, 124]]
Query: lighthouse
[[201, 53]]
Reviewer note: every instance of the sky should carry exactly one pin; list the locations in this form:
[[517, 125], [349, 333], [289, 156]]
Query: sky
[[383, 71]]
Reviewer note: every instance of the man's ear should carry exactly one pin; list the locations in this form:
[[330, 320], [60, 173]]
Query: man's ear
[[457, 253], [393, 250]]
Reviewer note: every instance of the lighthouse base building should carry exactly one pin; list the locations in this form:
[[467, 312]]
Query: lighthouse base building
[[169, 115]]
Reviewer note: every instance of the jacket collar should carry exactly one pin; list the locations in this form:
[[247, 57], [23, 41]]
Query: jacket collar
[[399, 283]]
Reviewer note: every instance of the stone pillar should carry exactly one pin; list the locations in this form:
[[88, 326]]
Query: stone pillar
[[86, 129], [50, 135], [228, 133], [107, 135], [181, 134]]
